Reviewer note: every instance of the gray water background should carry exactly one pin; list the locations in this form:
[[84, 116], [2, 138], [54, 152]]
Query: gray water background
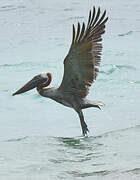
[[41, 139]]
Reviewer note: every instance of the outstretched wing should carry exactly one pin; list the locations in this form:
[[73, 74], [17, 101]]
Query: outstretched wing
[[80, 65]]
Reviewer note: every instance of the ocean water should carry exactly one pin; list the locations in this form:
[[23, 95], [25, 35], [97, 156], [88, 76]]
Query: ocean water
[[41, 139]]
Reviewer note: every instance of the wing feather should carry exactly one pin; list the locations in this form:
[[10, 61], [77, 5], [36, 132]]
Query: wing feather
[[82, 61], [97, 17], [73, 37], [82, 31]]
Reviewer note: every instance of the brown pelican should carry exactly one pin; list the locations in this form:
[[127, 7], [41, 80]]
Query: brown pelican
[[80, 68]]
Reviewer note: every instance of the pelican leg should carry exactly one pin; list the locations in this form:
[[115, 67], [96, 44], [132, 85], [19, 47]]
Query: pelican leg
[[87, 104], [83, 123]]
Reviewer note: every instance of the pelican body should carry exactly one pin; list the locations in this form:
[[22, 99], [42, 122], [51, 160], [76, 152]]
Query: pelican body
[[80, 69]]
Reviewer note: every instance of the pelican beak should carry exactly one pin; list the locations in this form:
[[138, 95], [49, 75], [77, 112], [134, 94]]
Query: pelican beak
[[35, 82]]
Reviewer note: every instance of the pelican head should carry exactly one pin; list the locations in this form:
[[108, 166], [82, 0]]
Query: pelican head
[[40, 80]]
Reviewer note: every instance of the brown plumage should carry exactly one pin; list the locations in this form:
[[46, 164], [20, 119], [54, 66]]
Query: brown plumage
[[80, 68], [80, 65]]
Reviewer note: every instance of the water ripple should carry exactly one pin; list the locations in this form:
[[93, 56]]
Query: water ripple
[[68, 9], [95, 156], [134, 82], [80, 174], [126, 34], [17, 139], [10, 8], [109, 69], [76, 17], [134, 171], [28, 64]]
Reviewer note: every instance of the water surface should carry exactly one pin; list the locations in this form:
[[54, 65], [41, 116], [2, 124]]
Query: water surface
[[40, 139]]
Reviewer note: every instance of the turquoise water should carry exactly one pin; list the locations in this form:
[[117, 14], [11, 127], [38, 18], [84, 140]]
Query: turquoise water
[[41, 139]]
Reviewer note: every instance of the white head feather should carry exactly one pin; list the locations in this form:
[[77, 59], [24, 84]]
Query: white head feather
[[44, 75]]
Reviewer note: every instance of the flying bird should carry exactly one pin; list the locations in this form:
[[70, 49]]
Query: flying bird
[[80, 68]]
